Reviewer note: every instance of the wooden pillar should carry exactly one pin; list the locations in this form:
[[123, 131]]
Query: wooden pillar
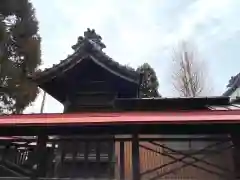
[[135, 158], [41, 153], [98, 153], [50, 160], [122, 162], [59, 165], [97, 145], [74, 158], [5, 151], [236, 154], [111, 158], [86, 162]]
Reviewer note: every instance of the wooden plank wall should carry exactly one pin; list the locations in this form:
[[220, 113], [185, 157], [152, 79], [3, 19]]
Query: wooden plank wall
[[150, 160]]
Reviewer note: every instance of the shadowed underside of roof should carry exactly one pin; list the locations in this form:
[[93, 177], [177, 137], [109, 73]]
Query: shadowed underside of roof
[[170, 104]]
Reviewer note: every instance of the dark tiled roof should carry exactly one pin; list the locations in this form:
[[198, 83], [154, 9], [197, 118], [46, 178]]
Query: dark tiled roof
[[234, 81], [233, 84], [87, 49]]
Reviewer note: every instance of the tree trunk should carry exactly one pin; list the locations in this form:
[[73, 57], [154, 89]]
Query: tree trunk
[[43, 102]]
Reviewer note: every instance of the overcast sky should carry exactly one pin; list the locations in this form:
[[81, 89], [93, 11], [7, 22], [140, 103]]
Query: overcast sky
[[139, 31]]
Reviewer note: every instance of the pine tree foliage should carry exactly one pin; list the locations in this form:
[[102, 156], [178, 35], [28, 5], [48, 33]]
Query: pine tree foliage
[[149, 85], [20, 54]]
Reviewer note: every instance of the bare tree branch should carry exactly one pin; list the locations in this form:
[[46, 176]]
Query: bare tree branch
[[189, 73]]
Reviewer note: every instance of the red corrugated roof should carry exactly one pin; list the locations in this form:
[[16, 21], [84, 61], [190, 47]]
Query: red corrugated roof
[[122, 118]]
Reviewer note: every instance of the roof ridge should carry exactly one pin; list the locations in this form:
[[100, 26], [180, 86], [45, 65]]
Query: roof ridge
[[87, 47]]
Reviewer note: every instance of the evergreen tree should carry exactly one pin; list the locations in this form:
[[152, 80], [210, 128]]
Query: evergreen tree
[[20, 54], [149, 85]]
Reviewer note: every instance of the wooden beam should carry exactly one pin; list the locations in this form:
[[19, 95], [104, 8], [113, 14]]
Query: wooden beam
[[194, 138]]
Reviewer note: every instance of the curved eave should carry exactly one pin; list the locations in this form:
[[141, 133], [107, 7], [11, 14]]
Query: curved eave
[[50, 74], [112, 71]]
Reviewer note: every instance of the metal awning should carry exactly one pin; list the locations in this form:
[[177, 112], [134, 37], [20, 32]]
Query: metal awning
[[205, 121], [117, 118]]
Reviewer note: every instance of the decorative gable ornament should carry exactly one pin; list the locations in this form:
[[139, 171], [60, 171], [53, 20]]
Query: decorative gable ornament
[[92, 37]]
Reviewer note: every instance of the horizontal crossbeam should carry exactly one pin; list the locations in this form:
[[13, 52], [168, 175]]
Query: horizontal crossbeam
[[176, 139]]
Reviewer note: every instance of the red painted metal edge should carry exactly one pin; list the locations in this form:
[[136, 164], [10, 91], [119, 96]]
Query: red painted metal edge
[[122, 118]]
